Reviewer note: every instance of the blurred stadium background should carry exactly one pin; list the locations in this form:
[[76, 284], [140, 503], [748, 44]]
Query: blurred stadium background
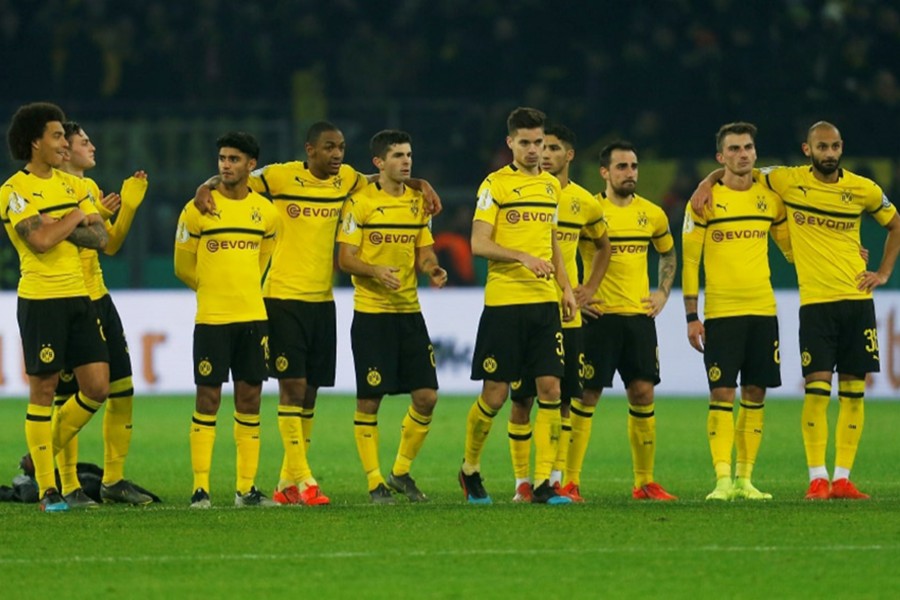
[[154, 82]]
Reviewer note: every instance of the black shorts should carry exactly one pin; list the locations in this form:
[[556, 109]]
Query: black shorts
[[60, 333], [571, 384], [839, 336], [623, 343], [242, 348], [116, 344], [302, 340], [746, 344], [517, 339], [392, 353]]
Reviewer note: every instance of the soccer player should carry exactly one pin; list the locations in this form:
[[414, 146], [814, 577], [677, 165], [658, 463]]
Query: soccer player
[[385, 238], [740, 332], [222, 257], [117, 414], [825, 204], [580, 215], [298, 291], [623, 337], [519, 334], [48, 216]]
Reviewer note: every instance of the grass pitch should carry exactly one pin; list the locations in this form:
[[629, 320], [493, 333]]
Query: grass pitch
[[610, 547]]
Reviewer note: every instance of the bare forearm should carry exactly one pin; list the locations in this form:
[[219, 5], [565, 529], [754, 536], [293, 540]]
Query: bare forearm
[[891, 250], [92, 236], [690, 304], [668, 263]]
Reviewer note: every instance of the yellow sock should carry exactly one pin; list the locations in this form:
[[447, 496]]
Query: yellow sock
[[642, 436], [582, 418], [546, 438], [478, 426], [117, 429], [849, 422], [72, 416], [294, 466], [39, 437], [720, 432], [246, 440], [67, 457], [412, 435], [815, 422], [365, 430], [562, 447], [748, 437], [203, 437], [520, 448], [307, 415]]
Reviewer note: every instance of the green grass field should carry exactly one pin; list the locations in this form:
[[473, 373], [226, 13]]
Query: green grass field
[[610, 547]]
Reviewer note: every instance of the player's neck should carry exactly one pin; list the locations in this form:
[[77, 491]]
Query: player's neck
[[68, 168], [391, 187], [737, 182], [829, 178], [535, 170], [40, 169], [618, 200], [563, 177], [238, 191]]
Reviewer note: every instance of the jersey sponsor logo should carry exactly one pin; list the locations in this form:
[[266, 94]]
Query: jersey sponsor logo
[[204, 367], [47, 354], [373, 377], [216, 245], [743, 234], [295, 210], [376, 237], [16, 203], [514, 216], [629, 248], [566, 236], [826, 222]]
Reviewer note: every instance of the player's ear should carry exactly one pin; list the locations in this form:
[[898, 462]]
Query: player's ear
[[251, 164], [378, 162], [805, 148], [720, 158]]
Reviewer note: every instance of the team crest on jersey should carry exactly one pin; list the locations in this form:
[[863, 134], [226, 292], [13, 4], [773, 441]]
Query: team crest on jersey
[[69, 189], [182, 235], [281, 364], [715, 373], [549, 190], [575, 207], [337, 181], [16, 203], [642, 220], [489, 364], [846, 197], [761, 204], [414, 207], [47, 354], [205, 367], [256, 216], [373, 378]]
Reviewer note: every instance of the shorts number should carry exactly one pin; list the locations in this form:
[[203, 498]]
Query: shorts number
[[777, 354], [264, 342], [560, 351], [871, 335], [581, 365]]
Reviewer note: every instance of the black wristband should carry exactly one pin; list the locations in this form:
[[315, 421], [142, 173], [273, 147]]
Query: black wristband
[[691, 317]]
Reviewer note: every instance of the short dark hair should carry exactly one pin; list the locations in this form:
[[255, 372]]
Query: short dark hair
[[244, 142], [525, 118], [317, 129], [71, 128], [28, 124], [383, 140], [565, 135], [606, 152], [736, 128]]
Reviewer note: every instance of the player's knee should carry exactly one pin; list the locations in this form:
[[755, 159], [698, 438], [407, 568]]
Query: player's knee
[[96, 390], [640, 393], [424, 401], [520, 410], [293, 392]]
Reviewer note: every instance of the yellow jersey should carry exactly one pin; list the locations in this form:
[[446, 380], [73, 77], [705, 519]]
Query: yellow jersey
[[580, 217]]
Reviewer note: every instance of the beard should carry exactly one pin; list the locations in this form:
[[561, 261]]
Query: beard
[[625, 189], [826, 168]]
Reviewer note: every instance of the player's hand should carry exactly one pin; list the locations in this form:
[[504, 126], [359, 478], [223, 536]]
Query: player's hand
[[438, 277], [592, 309], [111, 202], [140, 175], [654, 303], [569, 305], [697, 335], [864, 253], [80, 216], [702, 197], [542, 268], [386, 275], [433, 204], [868, 280], [204, 202], [92, 219]]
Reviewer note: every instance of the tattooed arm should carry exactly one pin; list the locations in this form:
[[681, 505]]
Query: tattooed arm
[[42, 233], [655, 302], [92, 236]]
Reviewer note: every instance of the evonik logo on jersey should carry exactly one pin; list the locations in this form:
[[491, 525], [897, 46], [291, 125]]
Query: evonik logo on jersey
[[629, 248], [744, 234], [295, 210], [826, 222], [514, 216], [376, 238], [216, 245]]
